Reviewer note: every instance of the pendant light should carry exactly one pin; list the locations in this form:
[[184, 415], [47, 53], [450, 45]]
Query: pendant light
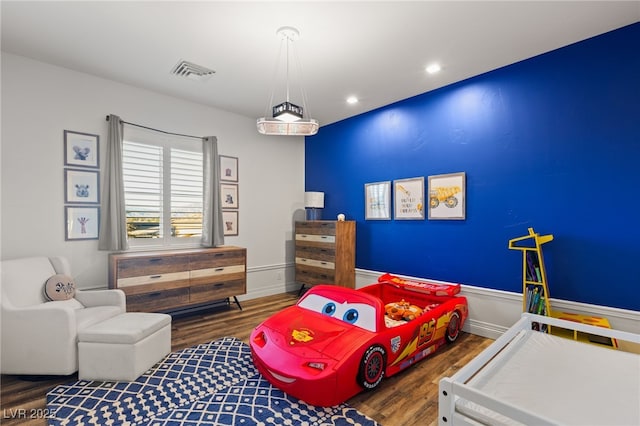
[[288, 119]]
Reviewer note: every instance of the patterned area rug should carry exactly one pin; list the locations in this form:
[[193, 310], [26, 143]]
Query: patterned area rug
[[209, 384]]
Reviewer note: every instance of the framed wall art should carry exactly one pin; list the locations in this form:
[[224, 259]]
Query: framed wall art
[[229, 195], [81, 186], [230, 222], [81, 223], [228, 168], [408, 198], [81, 149], [447, 196], [377, 200]]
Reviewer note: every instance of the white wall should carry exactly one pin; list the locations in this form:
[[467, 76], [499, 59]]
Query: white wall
[[39, 101]]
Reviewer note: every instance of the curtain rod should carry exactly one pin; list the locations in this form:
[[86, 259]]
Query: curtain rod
[[158, 130]]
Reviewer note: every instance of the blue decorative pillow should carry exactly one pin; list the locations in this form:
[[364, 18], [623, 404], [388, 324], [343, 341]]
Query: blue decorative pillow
[[59, 287]]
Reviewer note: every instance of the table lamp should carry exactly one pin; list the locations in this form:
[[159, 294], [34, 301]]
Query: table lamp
[[314, 203]]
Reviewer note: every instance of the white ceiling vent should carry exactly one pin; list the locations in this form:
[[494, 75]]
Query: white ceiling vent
[[192, 71]]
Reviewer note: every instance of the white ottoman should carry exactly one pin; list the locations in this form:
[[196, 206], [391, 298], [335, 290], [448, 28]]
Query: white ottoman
[[123, 347]]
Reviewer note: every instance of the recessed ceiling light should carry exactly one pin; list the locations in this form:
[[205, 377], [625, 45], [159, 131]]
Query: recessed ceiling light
[[433, 68], [352, 100]]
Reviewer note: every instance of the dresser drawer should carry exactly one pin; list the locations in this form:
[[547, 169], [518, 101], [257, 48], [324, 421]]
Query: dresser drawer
[[153, 265], [217, 274], [318, 253], [221, 290], [153, 279], [208, 260], [316, 228], [315, 263], [314, 238], [157, 300], [312, 276]]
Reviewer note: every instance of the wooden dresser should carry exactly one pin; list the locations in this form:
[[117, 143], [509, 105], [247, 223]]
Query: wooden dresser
[[177, 280], [325, 253]]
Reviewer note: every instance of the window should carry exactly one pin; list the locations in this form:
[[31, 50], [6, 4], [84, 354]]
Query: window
[[163, 188]]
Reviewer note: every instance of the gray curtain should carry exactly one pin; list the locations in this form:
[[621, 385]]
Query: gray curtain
[[212, 230], [113, 216]]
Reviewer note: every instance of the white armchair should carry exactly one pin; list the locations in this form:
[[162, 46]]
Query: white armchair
[[40, 337]]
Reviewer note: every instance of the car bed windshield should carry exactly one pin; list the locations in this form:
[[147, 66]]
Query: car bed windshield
[[358, 314]]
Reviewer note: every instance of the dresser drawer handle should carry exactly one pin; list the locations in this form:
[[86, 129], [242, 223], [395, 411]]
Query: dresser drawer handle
[[156, 294], [303, 260], [219, 254], [157, 259], [155, 276], [219, 269], [218, 285]]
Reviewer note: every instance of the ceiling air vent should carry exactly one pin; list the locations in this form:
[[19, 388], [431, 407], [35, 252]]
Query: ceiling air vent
[[192, 71]]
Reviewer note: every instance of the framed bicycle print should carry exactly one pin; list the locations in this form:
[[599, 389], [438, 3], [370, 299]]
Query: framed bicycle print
[[377, 200]]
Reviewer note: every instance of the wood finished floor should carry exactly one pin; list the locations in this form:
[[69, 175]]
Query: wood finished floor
[[409, 398]]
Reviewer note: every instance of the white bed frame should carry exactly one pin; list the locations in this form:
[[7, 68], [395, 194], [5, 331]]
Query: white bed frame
[[456, 388]]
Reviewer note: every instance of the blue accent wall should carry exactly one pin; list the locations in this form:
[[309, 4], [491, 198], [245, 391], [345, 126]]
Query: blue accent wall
[[552, 142]]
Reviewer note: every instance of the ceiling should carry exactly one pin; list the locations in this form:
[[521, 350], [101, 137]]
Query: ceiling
[[374, 50]]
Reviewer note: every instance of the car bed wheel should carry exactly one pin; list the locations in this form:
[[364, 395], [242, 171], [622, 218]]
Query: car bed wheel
[[453, 329], [372, 367]]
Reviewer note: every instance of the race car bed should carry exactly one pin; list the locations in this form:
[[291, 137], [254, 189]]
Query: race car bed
[[535, 378]]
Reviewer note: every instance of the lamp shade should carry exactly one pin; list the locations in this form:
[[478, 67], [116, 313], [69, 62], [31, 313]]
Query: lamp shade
[[273, 126], [288, 118], [314, 200]]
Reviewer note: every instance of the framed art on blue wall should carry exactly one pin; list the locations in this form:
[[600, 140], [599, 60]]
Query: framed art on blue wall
[[408, 198], [447, 196], [377, 200]]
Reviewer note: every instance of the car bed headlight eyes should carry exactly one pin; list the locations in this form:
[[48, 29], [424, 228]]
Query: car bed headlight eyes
[[351, 316], [329, 309]]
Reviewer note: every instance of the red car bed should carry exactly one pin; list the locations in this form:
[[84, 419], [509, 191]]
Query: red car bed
[[336, 342]]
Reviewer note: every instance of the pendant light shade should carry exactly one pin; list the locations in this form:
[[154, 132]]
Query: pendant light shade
[[287, 111], [288, 118]]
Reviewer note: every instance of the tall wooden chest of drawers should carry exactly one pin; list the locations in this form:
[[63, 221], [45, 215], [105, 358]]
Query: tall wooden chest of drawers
[[175, 280], [326, 252]]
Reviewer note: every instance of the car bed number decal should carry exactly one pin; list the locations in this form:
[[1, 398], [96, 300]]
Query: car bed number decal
[[426, 332]]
